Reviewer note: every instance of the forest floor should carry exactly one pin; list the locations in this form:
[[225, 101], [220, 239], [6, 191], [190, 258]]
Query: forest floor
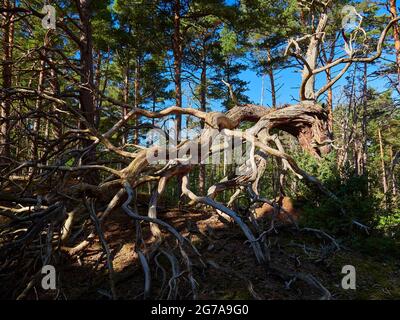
[[87, 277]]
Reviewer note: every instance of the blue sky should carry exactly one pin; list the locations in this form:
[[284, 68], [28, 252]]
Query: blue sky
[[289, 81]]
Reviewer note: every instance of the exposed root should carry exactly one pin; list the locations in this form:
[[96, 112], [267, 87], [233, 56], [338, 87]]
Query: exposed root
[[28, 222]]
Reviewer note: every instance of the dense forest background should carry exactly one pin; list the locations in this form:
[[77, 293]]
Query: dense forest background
[[317, 82]]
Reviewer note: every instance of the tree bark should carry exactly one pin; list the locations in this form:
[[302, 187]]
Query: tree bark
[[382, 155], [311, 59], [177, 48], [86, 59], [364, 146], [97, 83], [271, 76], [55, 89], [396, 35], [178, 54], [86, 94], [8, 45], [392, 173], [126, 99], [203, 107], [38, 106], [329, 100], [137, 96]]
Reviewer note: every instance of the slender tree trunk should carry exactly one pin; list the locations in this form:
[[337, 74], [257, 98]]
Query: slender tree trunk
[[55, 89], [353, 135], [8, 45], [273, 90], [203, 107], [154, 98], [382, 155], [126, 99], [364, 147], [178, 54], [396, 35], [329, 101], [312, 56], [86, 51], [262, 89], [271, 76], [177, 47], [392, 174], [347, 128], [38, 106], [97, 84], [86, 95], [137, 96], [394, 185]]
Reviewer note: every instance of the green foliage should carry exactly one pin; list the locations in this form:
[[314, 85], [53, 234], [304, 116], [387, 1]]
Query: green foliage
[[321, 211]]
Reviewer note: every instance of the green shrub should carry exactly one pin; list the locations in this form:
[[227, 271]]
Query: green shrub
[[321, 211]]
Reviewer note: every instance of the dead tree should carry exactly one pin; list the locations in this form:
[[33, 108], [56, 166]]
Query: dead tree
[[54, 213]]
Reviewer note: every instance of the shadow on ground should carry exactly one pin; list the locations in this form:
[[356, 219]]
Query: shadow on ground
[[87, 277]]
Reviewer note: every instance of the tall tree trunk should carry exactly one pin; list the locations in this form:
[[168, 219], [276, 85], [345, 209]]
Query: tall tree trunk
[[154, 100], [354, 135], [86, 52], [178, 54], [203, 107], [86, 95], [364, 147], [137, 96], [97, 84], [382, 155], [396, 35], [38, 106], [126, 99], [329, 101], [262, 89], [8, 45], [347, 127], [55, 89], [312, 56], [177, 48], [392, 174], [271, 76]]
